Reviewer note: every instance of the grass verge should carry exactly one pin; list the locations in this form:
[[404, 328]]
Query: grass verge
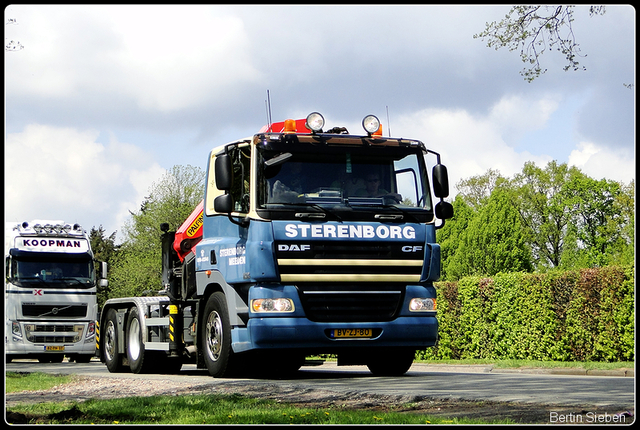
[[15, 381], [195, 409], [210, 409], [516, 364]]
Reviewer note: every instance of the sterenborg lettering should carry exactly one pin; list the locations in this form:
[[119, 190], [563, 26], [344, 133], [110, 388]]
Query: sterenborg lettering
[[349, 231]]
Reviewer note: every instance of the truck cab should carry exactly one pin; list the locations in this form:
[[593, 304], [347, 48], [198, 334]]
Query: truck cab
[[324, 243], [50, 291]]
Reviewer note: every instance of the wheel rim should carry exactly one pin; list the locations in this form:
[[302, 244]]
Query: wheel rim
[[110, 341], [134, 340], [214, 336]]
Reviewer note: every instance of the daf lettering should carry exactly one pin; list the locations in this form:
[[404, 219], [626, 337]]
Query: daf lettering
[[284, 247]]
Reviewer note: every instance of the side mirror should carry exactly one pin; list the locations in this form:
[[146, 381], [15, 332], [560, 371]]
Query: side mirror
[[223, 204], [444, 210], [8, 268], [440, 181], [102, 281], [223, 172], [103, 270]]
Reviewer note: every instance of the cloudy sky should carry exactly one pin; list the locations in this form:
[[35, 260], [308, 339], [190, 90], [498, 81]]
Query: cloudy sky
[[101, 100]]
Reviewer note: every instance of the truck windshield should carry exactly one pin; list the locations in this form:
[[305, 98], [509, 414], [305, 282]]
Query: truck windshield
[[52, 269], [354, 182]]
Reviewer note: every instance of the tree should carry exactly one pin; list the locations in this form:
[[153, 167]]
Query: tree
[[544, 212], [534, 30], [451, 237], [543, 218], [104, 249], [622, 249], [492, 241], [476, 190], [138, 265], [602, 221]]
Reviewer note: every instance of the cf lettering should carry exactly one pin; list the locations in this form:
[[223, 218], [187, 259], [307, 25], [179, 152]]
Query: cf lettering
[[416, 248]]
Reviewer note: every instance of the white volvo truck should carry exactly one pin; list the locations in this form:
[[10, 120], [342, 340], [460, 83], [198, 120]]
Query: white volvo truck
[[50, 292]]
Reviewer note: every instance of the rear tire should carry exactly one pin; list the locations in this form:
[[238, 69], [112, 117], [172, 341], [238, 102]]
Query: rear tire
[[139, 362], [391, 363], [216, 336], [280, 364], [109, 343], [83, 358]]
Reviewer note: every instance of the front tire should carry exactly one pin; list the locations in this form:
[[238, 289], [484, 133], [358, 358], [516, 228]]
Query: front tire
[[216, 336]]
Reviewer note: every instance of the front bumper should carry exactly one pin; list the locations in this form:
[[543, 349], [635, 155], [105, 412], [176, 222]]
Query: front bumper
[[299, 333]]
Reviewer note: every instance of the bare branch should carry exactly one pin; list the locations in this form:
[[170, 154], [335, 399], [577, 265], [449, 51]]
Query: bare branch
[[527, 29]]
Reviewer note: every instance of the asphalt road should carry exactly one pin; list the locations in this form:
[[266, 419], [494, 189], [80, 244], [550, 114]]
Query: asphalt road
[[422, 381]]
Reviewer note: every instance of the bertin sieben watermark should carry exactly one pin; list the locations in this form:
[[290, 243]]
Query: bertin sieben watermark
[[589, 418]]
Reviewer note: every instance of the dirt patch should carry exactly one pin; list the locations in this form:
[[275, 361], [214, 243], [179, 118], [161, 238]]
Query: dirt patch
[[84, 388]]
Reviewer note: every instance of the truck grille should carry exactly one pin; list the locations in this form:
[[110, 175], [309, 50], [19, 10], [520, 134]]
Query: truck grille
[[349, 282], [352, 262], [63, 333], [351, 302], [54, 311]]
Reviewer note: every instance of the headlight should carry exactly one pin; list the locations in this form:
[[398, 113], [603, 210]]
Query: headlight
[[15, 329], [422, 305], [91, 330], [371, 124], [272, 305], [315, 122]]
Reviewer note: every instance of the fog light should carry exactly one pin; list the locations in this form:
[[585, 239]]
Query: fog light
[[422, 305], [371, 124], [315, 122], [272, 305]]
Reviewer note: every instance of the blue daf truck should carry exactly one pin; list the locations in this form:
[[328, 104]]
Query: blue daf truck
[[306, 242]]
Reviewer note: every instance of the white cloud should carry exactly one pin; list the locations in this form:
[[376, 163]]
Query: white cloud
[[165, 58], [517, 115], [63, 173], [599, 162], [469, 145]]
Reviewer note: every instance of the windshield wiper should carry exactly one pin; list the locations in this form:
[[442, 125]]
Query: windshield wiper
[[75, 280], [34, 278], [323, 212], [401, 215]]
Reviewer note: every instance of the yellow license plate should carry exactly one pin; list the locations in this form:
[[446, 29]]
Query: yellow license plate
[[352, 332], [54, 348]]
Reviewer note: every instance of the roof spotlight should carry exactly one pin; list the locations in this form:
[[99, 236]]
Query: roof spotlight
[[371, 124], [315, 122]]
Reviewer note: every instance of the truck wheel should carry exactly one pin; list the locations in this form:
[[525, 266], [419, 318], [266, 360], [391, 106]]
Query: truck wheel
[[83, 358], [391, 364], [109, 343], [139, 362], [280, 364], [216, 336]]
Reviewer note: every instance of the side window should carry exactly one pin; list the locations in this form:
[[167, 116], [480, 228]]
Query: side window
[[240, 190]]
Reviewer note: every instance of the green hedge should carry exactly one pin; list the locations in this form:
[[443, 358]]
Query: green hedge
[[582, 315]]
